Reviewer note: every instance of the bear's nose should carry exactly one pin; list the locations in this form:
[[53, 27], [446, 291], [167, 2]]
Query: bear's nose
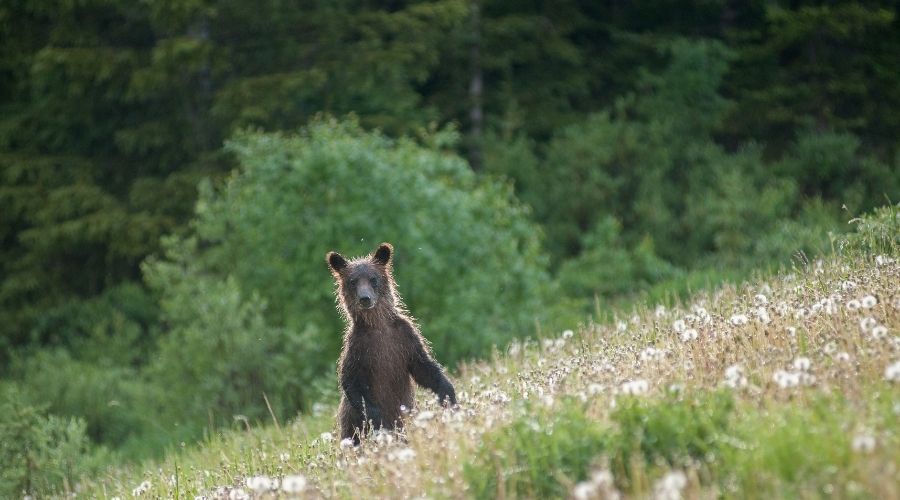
[[366, 302]]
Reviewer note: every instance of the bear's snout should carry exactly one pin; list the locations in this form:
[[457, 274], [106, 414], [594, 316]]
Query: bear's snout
[[366, 296]]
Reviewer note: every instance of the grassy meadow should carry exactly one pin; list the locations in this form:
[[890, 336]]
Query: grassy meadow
[[784, 387]]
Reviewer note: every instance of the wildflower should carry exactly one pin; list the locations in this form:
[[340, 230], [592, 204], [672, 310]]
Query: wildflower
[[259, 483], [141, 489], [383, 437], [739, 319], [238, 494], [679, 326], [867, 324], [670, 486], [786, 379], [863, 443], [879, 332], [801, 313], [346, 443], [293, 484], [791, 331], [802, 364], [660, 311], [883, 260], [651, 354], [424, 416], [402, 455], [848, 285], [621, 326], [734, 377], [760, 299], [853, 305], [689, 335], [585, 490], [635, 387], [830, 348], [326, 437], [892, 372], [869, 301], [599, 485], [842, 356], [513, 349], [595, 389], [567, 334], [763, 315]]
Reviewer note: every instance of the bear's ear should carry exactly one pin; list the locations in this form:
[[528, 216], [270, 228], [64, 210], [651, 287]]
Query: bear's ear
[[336, 262], [383, 254]]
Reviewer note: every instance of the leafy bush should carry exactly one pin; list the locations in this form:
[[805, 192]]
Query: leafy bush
[[108, 396], [248, 297], [608, 267], [220, 359], [40, 453]]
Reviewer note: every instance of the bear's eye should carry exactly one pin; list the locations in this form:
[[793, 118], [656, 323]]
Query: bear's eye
[[373, 281], [352, 281]]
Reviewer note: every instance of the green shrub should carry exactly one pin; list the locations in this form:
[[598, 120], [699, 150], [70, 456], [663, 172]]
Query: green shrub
[[253, 278], [40, 453], [108, 396]]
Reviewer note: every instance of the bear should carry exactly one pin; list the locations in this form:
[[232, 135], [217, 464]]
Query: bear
[[383, 351]]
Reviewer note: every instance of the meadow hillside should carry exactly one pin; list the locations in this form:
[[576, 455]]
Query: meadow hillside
[[787, 386]]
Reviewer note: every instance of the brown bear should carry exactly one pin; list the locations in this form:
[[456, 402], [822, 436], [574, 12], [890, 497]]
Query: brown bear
[[382, 348]]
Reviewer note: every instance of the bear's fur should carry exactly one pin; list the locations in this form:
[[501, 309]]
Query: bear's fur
[[382, 348]]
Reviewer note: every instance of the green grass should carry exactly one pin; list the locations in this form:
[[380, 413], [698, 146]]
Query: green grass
[[630, 406]]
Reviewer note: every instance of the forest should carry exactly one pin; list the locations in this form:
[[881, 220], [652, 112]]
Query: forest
[[172, 174]]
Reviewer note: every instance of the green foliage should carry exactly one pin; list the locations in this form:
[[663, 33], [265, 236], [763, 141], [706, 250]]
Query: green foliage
[[544, 455], [40, 453], [607, 267], [535, 457], [877, 232], [467, 259], [676, 431], [219, 360], [107, 395]]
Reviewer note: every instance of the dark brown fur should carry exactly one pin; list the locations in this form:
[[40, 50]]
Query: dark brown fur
[[383, 350]]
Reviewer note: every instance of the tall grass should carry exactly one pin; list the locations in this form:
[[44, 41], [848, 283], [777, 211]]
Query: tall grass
[[787, 387]]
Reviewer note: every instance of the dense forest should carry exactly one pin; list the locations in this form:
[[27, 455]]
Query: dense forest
[[173, 172]]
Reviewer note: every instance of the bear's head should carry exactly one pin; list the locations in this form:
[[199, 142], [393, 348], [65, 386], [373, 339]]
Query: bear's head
[[365, 285]]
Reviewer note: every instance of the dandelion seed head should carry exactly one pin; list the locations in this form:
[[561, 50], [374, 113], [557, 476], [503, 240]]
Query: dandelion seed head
[[863, 443], [868, 302], [635, 387], [295, 483], [689, 335], [141, 489], [867, 324], [567, 334], [879, 332], [259, 483], [739, 319], [802, 364], [892, 372], [669, 486]]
